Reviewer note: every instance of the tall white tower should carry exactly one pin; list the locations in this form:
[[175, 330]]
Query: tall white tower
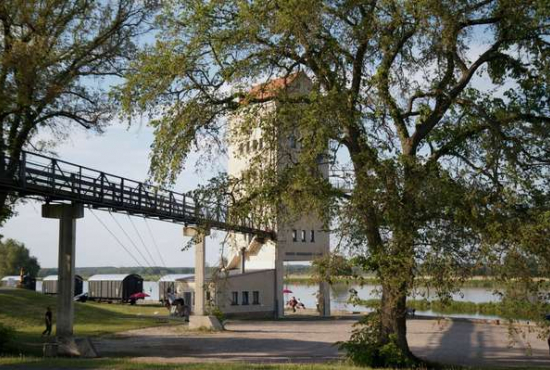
[[303, 238]]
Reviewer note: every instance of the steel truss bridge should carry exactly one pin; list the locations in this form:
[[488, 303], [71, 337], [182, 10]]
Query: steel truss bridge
[[56, 180]]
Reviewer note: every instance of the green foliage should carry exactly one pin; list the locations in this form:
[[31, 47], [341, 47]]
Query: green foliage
[[364, 347], [7, 335], [218, 313], [331, 267], [52, 56], [434, 117], [14, 256]]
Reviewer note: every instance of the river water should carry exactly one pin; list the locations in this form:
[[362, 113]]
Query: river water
[[340, 294]]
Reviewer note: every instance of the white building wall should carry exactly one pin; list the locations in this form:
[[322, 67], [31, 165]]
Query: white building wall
[[262, 282], [241, 152], [287, 247]]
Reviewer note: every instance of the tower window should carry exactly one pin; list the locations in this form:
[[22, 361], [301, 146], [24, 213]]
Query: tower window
[[245, 298], [255, 297], [294, 235], [312, 236], [234, 298], [292, 141], [303, 236]]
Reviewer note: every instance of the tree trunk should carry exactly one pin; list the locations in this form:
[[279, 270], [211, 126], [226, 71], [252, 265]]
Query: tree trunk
[[393, 315]]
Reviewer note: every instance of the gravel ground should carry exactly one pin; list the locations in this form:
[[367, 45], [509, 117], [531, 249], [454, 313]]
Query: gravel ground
[[453, 342]]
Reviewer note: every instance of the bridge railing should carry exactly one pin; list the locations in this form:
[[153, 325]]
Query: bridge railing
[[57, 179]]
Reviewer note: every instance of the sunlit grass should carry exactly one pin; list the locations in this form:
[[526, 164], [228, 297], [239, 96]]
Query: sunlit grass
[[24, 311], [127, 364]]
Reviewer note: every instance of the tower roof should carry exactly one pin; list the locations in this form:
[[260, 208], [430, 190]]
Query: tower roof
[[273, 87]]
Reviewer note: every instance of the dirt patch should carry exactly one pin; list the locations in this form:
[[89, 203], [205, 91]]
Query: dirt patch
[[460, 343]]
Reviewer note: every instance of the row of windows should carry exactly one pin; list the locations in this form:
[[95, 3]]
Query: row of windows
[[303, 235], [245, 298], [254, 145], [251, 146]]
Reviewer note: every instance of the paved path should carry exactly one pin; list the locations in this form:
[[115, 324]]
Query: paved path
[[452, 342]]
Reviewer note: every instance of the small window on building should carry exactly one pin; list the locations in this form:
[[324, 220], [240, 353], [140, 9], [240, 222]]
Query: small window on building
[[234, 298], [292, 141], [303, 236], [245, 298], [255, 145], [312, 236], [294, 235], [255, 297], [261, 143]]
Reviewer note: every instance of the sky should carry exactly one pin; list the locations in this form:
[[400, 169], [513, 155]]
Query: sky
[[123, 151]]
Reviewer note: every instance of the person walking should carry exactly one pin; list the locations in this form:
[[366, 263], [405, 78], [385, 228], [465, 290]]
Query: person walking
[[48, 319]]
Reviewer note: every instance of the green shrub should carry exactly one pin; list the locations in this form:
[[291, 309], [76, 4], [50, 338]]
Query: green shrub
[[217, 312], [364, 349], [7, 335]]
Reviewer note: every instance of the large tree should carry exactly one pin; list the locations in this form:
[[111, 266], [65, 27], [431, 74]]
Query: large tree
[[14, 256], [440, 108], [52, 54]]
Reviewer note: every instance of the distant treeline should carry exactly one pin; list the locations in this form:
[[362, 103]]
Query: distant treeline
[[151, 272], [86, 272]]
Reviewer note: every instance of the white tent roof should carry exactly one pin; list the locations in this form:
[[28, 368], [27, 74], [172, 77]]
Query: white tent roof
[[112, 277], [174, 277], [10, 277]]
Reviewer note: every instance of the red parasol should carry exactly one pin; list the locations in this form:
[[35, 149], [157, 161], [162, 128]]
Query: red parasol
[[139, 295]]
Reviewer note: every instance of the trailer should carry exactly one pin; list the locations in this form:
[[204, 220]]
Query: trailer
[[10, 281], [114, 287], [168, 282], [49, 284]]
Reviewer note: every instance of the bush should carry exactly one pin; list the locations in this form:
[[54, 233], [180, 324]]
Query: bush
[[7, 335], [364, 349], [217, 312]]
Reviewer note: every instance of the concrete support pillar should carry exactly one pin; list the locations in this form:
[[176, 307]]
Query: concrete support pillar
[[279, 280], [324, 294], [324, 299], [243, 260], [199, 319], [67, 215], [200, 256]]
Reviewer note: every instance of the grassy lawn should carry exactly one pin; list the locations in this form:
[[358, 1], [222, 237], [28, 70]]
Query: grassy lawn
[[121, 364], [125, 364], [24, 311]]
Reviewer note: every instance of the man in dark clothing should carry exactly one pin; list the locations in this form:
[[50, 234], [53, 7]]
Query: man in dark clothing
[[48, 318]]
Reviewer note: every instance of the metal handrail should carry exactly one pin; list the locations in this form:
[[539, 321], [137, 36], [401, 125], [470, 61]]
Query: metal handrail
[[56, 179]]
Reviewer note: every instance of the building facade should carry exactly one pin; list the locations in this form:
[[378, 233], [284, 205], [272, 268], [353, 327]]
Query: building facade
[[301, 237]]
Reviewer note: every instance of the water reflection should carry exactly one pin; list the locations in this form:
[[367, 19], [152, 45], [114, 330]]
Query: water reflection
[[340, 294]]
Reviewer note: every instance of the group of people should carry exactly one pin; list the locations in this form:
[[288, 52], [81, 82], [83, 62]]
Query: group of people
[[176, 306], [296, 304]]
